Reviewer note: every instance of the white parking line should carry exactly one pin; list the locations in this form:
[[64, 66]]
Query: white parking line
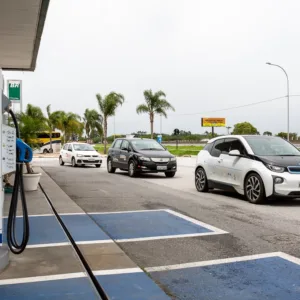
[[224, 261], [117, 271], [162, 237], [42, 278], [69, 243], [68, 276]]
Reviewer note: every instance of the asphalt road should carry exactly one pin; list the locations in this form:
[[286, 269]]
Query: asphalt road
[[251, 229]]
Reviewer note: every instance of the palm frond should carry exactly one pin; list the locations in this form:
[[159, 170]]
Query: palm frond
[[142, 108]]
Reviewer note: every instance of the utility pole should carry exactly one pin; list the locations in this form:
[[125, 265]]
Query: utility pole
[[288, 98]]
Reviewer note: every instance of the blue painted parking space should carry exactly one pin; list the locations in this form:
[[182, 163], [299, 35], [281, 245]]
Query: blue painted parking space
[[264, 278], [43, 230], [132, 286], [47, 230], [150, 225], [127, 286], [75, 288], [83, 228]]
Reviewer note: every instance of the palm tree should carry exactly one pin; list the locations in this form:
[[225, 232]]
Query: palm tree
[[31, 122], [92, 122], [154, 105], [108, 106], [52, 121], [66, 122]]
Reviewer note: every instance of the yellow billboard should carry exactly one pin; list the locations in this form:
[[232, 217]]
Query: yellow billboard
[[213, 122]]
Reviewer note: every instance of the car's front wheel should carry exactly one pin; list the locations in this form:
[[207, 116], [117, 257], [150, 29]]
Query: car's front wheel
[[61, 162], [201, 180], [170, 174], [254, 189], [74, 162], [110, 168], [132, 169]]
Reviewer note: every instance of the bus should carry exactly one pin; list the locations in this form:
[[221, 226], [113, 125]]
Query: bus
[[42, 141]]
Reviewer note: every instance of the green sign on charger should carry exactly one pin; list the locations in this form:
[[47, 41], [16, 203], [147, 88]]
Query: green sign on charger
[[14, 90]]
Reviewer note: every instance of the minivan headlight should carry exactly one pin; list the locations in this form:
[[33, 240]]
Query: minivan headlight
[[173, 158], [275, 168], [79, 155]]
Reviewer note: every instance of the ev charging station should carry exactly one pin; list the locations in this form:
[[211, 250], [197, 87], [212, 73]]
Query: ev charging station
[[14, 153], [4, 254]]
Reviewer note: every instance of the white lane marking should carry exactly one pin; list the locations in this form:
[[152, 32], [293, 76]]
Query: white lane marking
[[68, 243], [124, 212], [117, 271], [192, 220], [161, 237], [95, 242], [42, 278], [224, 261], [70, 214], [42, 215], [48, 245], [68, 276]]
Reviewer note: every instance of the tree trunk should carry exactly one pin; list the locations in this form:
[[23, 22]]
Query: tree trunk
[[151, 124], [105, 134]]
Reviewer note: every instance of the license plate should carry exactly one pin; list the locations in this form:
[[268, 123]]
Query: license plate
[[91, 159], [161, 168]]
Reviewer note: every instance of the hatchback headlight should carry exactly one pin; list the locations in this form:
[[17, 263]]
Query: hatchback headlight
[[173, 158], [276, 169], [143, 158], [79, 155]]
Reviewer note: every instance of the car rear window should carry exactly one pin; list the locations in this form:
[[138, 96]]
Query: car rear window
[[208, 147]]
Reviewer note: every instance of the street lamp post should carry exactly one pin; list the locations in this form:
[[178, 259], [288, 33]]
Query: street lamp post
[[288, 98]]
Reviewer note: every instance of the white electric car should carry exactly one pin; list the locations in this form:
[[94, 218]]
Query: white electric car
[[81, 154], [255, 166]]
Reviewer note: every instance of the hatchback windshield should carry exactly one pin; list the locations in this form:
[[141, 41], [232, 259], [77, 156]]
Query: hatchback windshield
[[83, 147], [147, 145], [270, 146]]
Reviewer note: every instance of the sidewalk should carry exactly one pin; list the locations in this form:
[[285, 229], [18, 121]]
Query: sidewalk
[[50, 266]]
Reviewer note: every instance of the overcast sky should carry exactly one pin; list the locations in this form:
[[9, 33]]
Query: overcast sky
[[205, 55]]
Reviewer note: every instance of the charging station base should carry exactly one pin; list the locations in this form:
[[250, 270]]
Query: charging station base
[[4, 258]]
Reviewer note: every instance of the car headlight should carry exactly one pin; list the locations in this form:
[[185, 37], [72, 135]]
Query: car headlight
[[79, 155], [173, 158], [143, 158], [275, 168]]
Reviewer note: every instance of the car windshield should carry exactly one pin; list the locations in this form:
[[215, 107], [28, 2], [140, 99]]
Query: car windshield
[[270, 146], [83, 147], [147, 145]]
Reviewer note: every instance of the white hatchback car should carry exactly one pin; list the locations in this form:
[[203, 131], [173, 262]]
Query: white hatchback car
[[79, 154], [255, 166]]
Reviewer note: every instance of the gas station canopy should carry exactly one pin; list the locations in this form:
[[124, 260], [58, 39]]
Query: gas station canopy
[[21, 28]]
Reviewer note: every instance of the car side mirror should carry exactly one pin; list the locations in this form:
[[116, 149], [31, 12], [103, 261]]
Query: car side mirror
[[235, 153], [70, 150], [125, 149]]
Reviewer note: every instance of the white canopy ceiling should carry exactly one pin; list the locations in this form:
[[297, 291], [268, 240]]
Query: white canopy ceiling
[[21, 28]]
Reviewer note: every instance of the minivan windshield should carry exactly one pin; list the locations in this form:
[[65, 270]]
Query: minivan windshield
[[271, 146], [147, 145], [83, 147]]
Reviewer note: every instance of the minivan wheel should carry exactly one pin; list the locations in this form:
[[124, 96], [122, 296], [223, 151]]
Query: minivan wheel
[[254, 189], [201, 180], [110, 168], [45, 151], [132, 169]]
